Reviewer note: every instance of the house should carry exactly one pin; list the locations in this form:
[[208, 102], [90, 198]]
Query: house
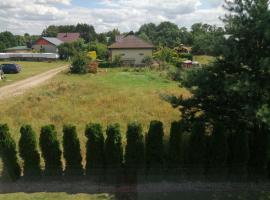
[[47, 45], [18, 49], [68, 37], [131, 48]]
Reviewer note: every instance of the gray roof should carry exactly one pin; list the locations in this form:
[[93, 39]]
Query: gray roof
[[53, 40]]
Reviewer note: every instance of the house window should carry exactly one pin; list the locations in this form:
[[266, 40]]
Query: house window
[[141, 54], [123, 54]]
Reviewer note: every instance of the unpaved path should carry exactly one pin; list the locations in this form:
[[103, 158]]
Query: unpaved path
[[20, 87]]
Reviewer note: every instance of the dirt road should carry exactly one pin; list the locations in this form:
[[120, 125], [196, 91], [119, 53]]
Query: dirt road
[[21, 86]]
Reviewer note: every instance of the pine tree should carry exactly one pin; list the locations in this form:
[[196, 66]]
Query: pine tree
[[29, 152], [72, 151], [8, 153], [134, 155], [51, 152], [95, 159], [154, 147]]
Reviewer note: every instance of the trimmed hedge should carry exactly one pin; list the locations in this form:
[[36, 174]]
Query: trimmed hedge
[[50, 149], [29, 152]]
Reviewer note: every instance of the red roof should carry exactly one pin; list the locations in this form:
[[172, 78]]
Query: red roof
[[68, 37], [131, 42]]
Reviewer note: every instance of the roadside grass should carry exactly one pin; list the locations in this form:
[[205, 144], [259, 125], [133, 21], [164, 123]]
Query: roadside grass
[[29, 69], [50, 196], [204, 59]]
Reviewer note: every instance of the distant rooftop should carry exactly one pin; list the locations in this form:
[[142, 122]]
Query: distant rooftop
[[130, 41], [53, 40], [68, 37]]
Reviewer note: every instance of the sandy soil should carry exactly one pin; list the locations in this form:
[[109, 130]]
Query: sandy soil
[[22, 86]]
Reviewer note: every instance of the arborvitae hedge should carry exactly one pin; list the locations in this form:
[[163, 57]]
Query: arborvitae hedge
[[134, 155], [50, 149], [72, 151], [8, 153], [113, 147], [175, 156], [29, 152], [197, 145], [154, 146], [95, 158]]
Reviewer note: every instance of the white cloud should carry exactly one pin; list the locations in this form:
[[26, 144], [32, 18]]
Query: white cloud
[[20, 16]]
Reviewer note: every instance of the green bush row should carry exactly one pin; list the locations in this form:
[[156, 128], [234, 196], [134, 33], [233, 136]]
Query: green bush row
[[196, 147]]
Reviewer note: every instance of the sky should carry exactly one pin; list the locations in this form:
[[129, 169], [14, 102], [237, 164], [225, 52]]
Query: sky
[[32, 16]]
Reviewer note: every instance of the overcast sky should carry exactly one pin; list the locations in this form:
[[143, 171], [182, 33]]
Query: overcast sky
[[32, 16]]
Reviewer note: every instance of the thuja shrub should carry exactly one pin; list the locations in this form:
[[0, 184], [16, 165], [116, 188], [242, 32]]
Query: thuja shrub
[[154, 146], [8, 153], [50, 149], [72, 151], [134, 155], [95, 159], [175, 154], [29, 152], [113, 147]]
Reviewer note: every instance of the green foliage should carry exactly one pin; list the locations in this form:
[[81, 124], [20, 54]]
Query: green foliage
[[50, 149], [188, 56], [147, 60], [165, 54], [134, 154], [175, 159], [79, 64], [117, 60], [68, 50], [8, 153], [95, 158], [113, 147], [29, 152], [197, 145], [101, 49], [72, 151], [154, 146]]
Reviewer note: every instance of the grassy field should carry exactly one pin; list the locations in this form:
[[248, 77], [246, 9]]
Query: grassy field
[[203, 59], [29, 69], [111, 96], [50, 196]]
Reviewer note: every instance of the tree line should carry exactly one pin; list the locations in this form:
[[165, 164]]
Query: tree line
[[193, 150]]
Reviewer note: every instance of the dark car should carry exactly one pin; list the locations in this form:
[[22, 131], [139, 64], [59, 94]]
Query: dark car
[[11, 68]]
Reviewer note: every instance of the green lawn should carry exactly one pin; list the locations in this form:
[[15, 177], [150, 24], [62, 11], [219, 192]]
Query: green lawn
[[52, 196], [29, 69], [203, 59]]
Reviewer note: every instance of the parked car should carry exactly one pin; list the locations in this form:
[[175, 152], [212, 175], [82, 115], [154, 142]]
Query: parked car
[[11, 68]]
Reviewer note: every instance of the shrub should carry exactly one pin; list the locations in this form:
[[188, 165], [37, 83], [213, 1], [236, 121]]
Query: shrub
[[113, 147], [147, 60], [175, 145], [72, 151], [117, 61], [79, 64], [186, 55], [94, 149], [154, 146], [134, 155], [29, 152], [11, 168], [197, 145], [50, 149]]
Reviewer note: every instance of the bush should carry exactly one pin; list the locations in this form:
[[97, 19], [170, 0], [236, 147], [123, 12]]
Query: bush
[[72, 151], [175, 159], [95, 159], [154, 146], [79, 64], [134, 155], [147, 60], [105, 64], [117, 61], [188, 56], [50, 149], [113, 147], [29, 152], [8, 153]]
